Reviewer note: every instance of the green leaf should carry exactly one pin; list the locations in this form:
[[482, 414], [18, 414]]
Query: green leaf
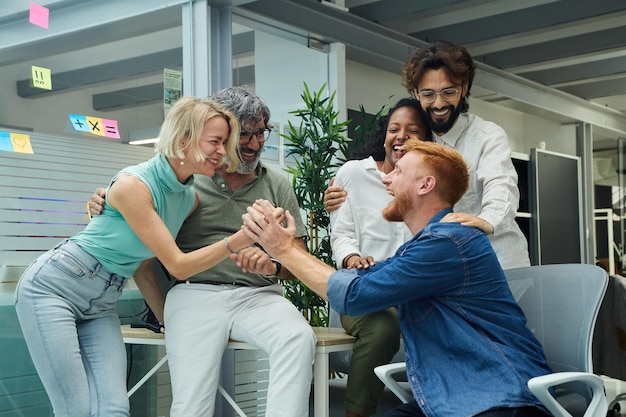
[[316, 144]]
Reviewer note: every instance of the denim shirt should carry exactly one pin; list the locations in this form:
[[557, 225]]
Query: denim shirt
[[468, 349]]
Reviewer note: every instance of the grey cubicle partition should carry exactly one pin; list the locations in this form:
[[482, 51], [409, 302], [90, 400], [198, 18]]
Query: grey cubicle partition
[[556, 201], [43, 199]]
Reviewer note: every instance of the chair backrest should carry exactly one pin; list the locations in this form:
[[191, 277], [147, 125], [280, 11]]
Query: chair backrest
[[561, 303]]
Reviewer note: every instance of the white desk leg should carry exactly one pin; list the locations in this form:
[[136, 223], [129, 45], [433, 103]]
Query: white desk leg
[[147, 376], [231, 401], [160, 363], [321, 396]]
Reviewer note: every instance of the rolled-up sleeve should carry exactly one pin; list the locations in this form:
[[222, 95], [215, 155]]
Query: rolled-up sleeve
[[338, 286]]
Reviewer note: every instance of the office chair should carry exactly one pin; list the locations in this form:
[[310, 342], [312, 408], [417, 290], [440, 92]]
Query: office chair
[[561, 303]]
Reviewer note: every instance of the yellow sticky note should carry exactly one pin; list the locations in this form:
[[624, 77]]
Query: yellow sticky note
[[21, 143], [42, 78], [95, 125]]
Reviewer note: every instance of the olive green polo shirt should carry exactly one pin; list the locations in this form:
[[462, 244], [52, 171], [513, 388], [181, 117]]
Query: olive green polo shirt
[[219, 215]]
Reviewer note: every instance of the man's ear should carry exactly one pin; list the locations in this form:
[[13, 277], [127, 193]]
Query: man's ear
[[427, 184], [464, 90]]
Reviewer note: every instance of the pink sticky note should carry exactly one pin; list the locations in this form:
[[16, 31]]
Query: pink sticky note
[[38, 15], [110, 128]]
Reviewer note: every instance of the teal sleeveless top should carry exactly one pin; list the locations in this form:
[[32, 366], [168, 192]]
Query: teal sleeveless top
[[108, 237]]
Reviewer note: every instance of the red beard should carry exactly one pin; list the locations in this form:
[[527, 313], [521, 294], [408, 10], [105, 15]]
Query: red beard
[[397, 208]]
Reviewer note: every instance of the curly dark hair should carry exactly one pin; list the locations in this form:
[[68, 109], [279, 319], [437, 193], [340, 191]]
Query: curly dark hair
[[375, 147], [453, 59]]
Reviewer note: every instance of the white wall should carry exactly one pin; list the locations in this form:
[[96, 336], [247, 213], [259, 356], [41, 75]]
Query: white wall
[[282, 67], [49, 114], [372, 87], [558, 137]]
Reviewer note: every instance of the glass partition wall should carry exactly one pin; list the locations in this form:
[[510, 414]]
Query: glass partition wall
[[610, 205]]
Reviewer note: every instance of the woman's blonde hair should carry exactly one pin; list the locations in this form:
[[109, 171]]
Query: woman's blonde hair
[[186, 120]]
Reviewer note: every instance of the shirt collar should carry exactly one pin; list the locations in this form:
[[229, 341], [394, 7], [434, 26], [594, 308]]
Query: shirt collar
[[437, 217], [370, 164], [452, 136], [433, 220], [167, 175]]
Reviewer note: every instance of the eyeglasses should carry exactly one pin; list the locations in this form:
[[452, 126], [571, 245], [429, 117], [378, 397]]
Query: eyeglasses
[[261, 135], [429, 96]]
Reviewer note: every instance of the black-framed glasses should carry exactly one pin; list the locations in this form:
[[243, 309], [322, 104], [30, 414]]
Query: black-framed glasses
[[261, 135], [429, 96]]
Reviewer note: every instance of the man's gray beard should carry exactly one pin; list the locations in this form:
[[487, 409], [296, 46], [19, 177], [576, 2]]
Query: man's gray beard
[[247, 167]]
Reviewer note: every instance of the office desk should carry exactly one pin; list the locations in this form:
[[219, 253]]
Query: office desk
[[328, 340]]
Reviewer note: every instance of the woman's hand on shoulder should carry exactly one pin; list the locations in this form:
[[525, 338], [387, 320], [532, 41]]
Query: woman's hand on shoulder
[[334, 196], [358, 262], [96, 202], [129, 194], [469, 220]]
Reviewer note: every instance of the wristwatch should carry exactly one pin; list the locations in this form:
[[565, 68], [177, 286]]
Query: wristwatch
[[279, 266]]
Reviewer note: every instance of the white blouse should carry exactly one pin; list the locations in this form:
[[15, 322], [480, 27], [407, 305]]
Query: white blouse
[[358, 225]]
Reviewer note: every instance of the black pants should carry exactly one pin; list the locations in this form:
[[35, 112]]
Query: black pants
[[412, 410]]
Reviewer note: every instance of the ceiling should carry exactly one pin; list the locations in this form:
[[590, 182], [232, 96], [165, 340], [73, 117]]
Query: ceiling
[[576, 46], [564, 60]]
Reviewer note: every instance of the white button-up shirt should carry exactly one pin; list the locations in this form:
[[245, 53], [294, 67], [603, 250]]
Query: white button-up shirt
[[358, 225], [493, 194]]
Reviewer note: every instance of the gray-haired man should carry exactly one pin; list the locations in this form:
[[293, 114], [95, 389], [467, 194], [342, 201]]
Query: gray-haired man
[[202, 313]]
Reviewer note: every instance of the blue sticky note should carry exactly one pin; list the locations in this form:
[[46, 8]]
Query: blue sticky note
[[5, 142], [79, 122]]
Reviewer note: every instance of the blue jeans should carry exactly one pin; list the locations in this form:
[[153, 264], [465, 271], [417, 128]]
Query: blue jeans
[[65, 303], [412, 410]]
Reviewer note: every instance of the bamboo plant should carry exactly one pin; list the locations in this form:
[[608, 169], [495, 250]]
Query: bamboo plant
[[315, 146]]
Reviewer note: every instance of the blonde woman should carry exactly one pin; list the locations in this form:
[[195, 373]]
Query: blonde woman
[[66, 299]]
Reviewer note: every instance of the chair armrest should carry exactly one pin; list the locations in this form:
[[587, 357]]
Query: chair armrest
[[540, 387], [385, 373]]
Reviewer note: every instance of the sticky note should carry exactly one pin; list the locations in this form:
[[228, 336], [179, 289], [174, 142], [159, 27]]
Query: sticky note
[[110, 128], [21, 143], [42, 78], [38, 15], [5, 142], [95, 125], [79, 122]]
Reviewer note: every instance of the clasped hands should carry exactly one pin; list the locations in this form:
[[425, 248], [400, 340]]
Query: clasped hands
[[253, 259], [263, 223]]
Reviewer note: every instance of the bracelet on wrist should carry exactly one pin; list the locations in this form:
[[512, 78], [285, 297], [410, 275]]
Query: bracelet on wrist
[[347, 258], [227, 245], [279, 266]]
